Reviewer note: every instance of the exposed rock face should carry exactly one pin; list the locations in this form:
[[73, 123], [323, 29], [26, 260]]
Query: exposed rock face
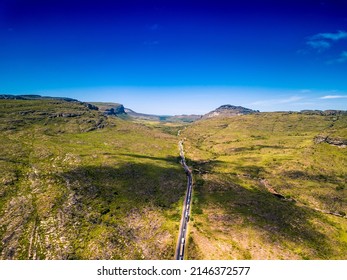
[[229, 110], [340, 142], [91, 106], [115, 110]]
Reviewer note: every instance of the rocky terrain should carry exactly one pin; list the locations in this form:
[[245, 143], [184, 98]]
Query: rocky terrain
[[229, 110], [339, 142], [110, 108], [325, 112]]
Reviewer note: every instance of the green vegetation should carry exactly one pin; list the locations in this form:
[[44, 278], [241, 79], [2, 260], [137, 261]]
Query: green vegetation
[[264, 189], [77, 185]]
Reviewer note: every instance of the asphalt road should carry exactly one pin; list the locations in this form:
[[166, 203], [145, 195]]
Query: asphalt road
[[182, 236]]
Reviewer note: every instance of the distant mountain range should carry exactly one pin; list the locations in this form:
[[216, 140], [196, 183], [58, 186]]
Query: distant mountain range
[[222, 111], [117, 109], [120, 111], [181, 118]]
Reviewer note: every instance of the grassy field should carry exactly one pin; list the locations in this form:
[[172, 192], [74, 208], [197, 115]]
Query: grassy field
[[77, 185], [263, 188]]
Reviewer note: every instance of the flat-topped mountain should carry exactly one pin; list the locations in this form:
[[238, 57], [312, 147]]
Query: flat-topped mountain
[[229, 110], [34, 97], [39, 97]]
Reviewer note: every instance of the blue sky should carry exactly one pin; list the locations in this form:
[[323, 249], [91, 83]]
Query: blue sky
[[174, 57]]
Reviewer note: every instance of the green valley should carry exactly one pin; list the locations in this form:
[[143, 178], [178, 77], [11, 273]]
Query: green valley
[[77, 183]]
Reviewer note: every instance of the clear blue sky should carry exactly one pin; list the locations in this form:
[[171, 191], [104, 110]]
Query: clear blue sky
[[153, 55]]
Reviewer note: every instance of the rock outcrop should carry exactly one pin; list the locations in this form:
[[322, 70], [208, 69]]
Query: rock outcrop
[[324, 113], [118, 110], [91, 106], [229, 110], [339, 142]]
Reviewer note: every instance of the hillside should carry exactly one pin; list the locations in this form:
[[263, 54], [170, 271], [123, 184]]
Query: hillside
[[76, 184], [229, 110], [266, 187]]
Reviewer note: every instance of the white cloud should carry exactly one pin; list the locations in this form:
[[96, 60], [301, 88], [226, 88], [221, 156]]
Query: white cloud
[[320, 45], [333, 96], [330, 36], [278, 101], [324, 41], [343, 57]]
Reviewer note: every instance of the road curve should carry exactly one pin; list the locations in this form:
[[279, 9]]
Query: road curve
[[182, 236]]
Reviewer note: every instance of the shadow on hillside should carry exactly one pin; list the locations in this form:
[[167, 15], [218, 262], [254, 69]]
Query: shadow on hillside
[[9, 160], [203, 166], [257, 147], [251, 170], [128, 184], [302, 175], [170, 159], [280, 220], [111, 204]]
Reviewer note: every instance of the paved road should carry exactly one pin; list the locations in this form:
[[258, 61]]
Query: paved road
[[181, 243]]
